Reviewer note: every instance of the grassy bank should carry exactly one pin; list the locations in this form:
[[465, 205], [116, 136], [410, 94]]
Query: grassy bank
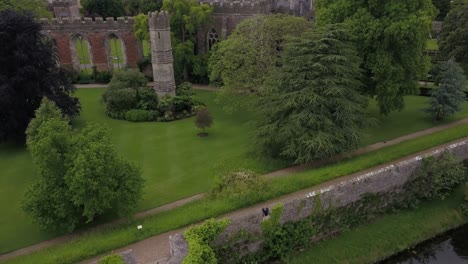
[[387, 236], [102, 241], [176, 163]]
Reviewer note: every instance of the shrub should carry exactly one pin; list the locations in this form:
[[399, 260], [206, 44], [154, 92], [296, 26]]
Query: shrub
[[147, 99], [127, 78], [112, 259], [138, 115], [199, 239], [238, 184], [203, 119], [184, 89], [465, 204], [120, 100], [437, 177]]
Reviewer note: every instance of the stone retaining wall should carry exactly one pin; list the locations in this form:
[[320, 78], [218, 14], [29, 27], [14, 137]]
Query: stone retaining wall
[[389, 178]]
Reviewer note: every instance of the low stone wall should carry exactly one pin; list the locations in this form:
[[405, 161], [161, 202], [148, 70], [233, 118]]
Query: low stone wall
[[389, 178]]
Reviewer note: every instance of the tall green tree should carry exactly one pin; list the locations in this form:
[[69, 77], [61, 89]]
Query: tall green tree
[[187, 18], [81, 176], [241, 61], [310, 106], [447, 99], [390, 37], [29, 72], [103, 8], [454, 34], [37, 7]]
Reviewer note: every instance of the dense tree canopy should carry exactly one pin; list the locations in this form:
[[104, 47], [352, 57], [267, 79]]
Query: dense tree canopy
[[80, 175], [446, 100], [242, 61], [391, 37], [454, 34], [37, 7], [103, 8], [28, 72], [310, 106], [187, 18]]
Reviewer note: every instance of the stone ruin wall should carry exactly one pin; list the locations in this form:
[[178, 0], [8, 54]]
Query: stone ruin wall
[[96, 32], [389, 178]]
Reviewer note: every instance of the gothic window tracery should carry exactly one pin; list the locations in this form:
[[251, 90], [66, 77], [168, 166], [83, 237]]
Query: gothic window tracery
[[213, 37]]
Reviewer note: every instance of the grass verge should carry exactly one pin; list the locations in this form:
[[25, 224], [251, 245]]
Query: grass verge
[[388, 235], [97, 242]]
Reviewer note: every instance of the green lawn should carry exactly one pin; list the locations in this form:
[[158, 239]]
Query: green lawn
[[175, 162], [431, 44], [369, 243]]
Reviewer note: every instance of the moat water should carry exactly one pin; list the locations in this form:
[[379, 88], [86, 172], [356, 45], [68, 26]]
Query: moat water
[[450, 248]]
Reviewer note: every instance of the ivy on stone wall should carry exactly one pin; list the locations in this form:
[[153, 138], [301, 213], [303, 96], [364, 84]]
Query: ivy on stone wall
[[437, 178]]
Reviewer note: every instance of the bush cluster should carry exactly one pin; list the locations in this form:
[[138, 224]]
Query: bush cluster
[[92, 76], [112, 259], [128, 97], [199, 239], [238, 184]]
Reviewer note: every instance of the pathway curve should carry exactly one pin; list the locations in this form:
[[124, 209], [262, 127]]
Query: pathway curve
[[156, 250], [274, 174]]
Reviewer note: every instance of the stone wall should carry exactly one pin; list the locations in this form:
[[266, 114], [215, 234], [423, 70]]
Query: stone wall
[[96, 33], [389, 178]]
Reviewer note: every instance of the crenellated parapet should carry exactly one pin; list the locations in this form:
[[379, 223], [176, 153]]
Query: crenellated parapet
[[159, 20], [243, 7], [87, 23]]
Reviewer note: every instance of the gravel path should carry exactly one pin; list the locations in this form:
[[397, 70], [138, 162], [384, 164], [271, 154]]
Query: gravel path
[[162, 250]]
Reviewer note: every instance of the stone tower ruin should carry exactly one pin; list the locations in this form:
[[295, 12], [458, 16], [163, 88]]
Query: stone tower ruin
[[161, 53]]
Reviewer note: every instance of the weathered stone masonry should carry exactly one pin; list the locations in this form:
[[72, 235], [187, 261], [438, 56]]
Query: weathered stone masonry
[[389, 178], [96, 33]]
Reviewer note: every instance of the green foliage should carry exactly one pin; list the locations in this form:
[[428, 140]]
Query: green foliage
[[185, 89], [238, 184], [454, 34], [29, 73], [241, 62], [203, 119], [446, 100], [310, 106], [437, 177], [138, 115], [390, 37], [141, 27], [127, 78], [199, 239], [37, 7], [112, 259], [128, 90], [80, 174], [465, 204], [270, 224], [103, 8], [187, 18]]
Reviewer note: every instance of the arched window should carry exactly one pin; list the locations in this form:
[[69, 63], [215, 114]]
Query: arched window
[[116, 52], [213, 37], [82, 53]]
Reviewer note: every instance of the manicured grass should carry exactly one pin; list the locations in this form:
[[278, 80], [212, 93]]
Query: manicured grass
[[431, 44], [82, 51], [98, 242], [391, 234], [116, 51], [177, 164]]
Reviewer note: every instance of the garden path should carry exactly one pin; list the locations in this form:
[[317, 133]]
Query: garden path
[[156, 249], [142, 248]]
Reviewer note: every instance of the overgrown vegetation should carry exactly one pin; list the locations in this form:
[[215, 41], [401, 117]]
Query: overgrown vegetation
[[238, 184], [112, 259], [436, 179], [199, 239], [454, 34]]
